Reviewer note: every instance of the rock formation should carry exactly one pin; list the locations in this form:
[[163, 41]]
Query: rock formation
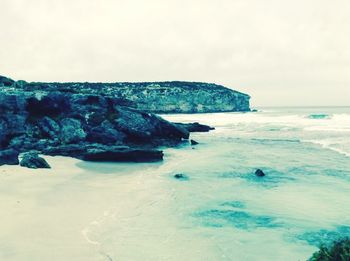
[[33, 161], [155, 97], [82, 121]]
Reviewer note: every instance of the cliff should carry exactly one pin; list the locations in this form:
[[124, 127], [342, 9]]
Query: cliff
[[156, 97], [82, 123]]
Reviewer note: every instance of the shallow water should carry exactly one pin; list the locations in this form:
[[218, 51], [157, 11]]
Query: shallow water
[[222, 212]]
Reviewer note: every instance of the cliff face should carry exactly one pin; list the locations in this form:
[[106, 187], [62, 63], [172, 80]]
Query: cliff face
[[84, 125], [184, 97], [156, 97]]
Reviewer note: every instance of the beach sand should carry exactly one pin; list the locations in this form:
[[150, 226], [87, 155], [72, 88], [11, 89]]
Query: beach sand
[[91, 211]]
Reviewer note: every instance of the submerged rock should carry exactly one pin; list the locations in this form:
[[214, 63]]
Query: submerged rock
[[181, 176], [9, 157], [33, 161], [259, 173], [193, 142]]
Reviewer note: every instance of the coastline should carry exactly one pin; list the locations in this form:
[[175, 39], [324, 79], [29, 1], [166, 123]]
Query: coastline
[[127, 211]]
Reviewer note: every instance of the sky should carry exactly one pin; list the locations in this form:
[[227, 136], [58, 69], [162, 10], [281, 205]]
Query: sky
[[281, 52]]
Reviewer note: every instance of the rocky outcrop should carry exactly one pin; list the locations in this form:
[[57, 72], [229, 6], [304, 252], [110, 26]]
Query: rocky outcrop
[[155, 97], [33, 161], [83, 125], [122, 155], [195, 127], [99, 152]]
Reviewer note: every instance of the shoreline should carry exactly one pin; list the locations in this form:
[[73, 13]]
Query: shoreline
[[45, 210]]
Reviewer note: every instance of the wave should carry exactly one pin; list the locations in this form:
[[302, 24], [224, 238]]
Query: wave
[[331, 145], [275, 140], [319, 116]]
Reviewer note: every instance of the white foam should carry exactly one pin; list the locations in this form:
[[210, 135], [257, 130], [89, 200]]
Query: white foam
[[331, 145]]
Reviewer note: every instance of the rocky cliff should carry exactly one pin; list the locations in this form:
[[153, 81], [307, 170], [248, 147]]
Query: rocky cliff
[[81, 122], [156, 97]]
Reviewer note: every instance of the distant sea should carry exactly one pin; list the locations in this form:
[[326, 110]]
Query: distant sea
[[223, 211]]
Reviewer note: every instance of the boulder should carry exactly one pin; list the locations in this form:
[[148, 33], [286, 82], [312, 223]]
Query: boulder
[[259, 173], [33, 161], [9, 157], [71, 131]]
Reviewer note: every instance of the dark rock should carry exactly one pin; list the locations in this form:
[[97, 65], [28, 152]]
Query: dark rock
[[71, 131], [193, 142], [181, 176], [9, 157], [69, 150], [33, 161], [77, 119], [195, 127], [123, 155], [4, 81], [99, 152], [48, 127], [259, 173], [51, 104], [339, 250], [105, 134], [3, 133], [140, 126], [21, 83]]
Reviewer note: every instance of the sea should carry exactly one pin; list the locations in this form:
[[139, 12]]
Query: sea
[[221, 210]]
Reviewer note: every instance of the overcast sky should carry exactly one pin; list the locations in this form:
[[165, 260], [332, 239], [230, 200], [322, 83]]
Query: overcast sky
[[281, 52]]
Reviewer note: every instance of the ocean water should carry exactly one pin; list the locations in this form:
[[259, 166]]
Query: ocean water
[[224, 212]]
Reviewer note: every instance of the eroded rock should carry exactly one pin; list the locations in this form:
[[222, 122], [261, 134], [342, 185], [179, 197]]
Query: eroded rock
[[33, 161]]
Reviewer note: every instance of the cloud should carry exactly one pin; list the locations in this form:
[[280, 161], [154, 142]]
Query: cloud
[[281, 52]]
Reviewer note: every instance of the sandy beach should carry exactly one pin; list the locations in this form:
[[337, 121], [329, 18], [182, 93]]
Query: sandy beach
[[51, 214], [90, 211]]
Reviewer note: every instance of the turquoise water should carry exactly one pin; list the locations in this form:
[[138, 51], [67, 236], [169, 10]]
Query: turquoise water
[[224, 212]]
